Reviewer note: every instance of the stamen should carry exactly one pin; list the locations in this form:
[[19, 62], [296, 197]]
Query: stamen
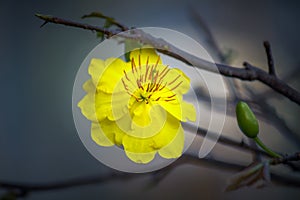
[[141, 80], [151, 72], [174, 80], [133, 66], [158, 59], [156, 88], [148, 86], [150, 78], [140, 62], [161, 78], [147, 70], [171, 96], [125, 86], [138, 83], [147, 61], [136, 98], [167, 100], [163, 87], [154, 82], [126, 75], [156, 76], [166, 67], [177, 85]]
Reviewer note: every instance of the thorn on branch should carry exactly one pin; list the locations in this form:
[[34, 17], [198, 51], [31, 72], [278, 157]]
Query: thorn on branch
[[270, 58], [247, 65], [45, 22]]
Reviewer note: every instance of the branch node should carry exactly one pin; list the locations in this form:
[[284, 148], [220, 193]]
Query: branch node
[[270, 58], [247, 66]]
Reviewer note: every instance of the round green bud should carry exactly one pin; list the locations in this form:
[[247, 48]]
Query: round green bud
[[246, 120]]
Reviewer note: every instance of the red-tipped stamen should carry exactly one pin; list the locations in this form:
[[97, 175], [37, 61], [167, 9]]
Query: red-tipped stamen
[[151, 73], [170, 83], [171, 96], [163, 76], [167, 100], [140, 66], [163, 87], [126, 75], [176, 86], [133, 66]]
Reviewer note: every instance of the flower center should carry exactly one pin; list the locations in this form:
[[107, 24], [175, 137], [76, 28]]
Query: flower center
[[150, 82]]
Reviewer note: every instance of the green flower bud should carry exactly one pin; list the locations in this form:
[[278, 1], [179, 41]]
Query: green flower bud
[[246, 120]]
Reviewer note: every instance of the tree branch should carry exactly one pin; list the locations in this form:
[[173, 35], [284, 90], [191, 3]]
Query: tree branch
[[249, 73], [23, 189], [285, 159]]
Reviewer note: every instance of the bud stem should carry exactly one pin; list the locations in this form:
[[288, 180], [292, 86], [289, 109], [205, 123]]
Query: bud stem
[[265, 148]]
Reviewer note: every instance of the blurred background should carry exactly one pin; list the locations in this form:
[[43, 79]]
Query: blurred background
[[38, 139]]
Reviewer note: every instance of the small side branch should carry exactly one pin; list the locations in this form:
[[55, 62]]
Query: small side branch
[[270, 58], [285, 159], [56, 20]]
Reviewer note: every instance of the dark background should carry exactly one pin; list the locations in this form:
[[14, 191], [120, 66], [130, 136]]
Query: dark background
[[38, 139]]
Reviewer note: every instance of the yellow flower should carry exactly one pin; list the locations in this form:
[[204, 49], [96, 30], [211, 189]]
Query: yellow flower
[[137, 105]]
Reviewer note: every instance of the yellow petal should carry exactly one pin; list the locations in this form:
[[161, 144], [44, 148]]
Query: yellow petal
[[144, 124], [103, 134], [177, 81], [138, 150], [141, 55], [175, 147], [167, 133], [111, 106], [141, 114], [142, 150], [119, 134], [143, 158], [96, 69], [114, 71], [87, 103], [180, 109], [188, 111], [89, 86]]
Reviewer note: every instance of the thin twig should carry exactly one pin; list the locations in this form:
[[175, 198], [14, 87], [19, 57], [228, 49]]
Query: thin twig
[[288, 77], [56, 20], [23, 189], [285, 159], [270, 58], [249, 73]]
